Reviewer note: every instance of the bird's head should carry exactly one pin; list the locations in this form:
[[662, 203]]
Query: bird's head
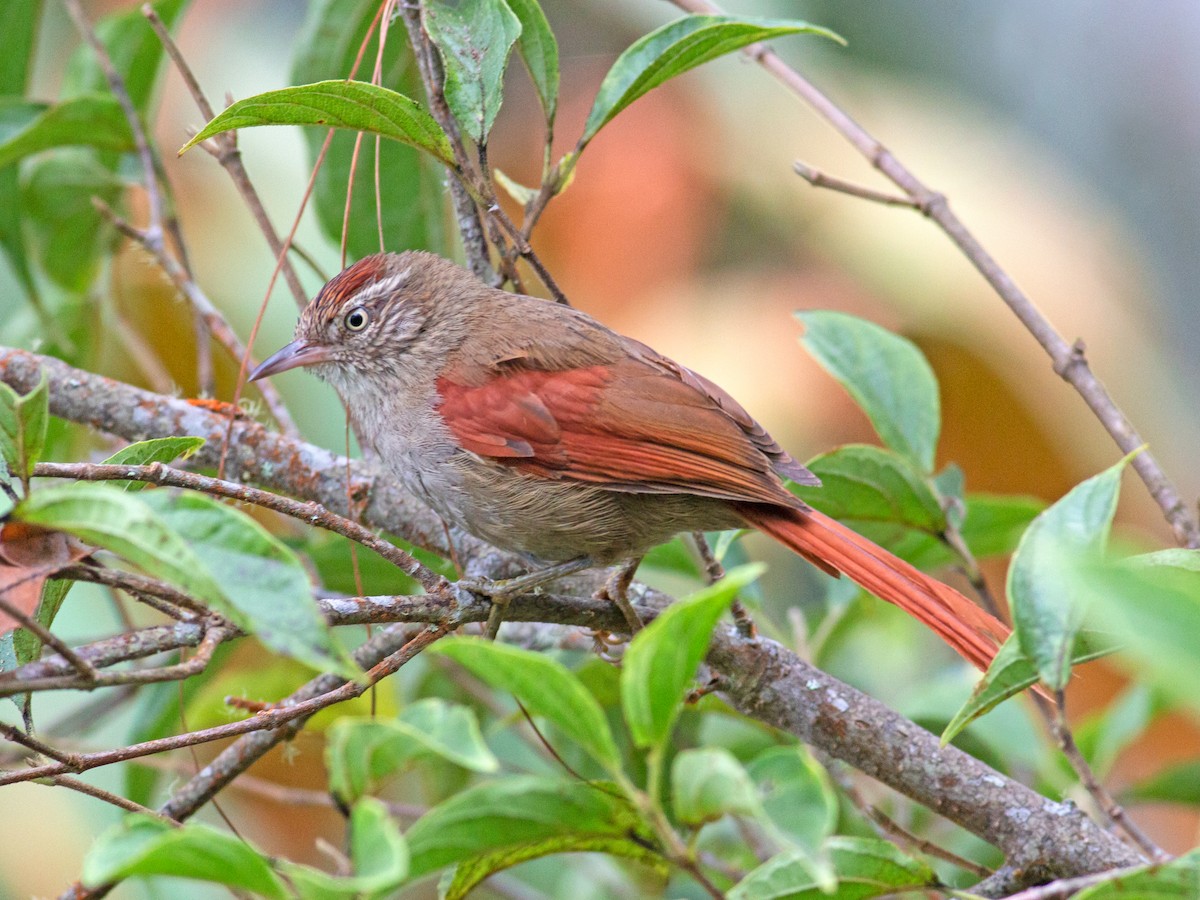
[[367, 323]]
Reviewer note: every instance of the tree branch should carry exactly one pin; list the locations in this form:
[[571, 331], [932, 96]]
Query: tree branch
[[1041, 837], [1067, 360]]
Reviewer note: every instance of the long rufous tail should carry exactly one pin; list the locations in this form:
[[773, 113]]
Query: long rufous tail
[[830, 545]]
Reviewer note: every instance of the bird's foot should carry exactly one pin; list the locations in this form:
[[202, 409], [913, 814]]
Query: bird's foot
[[501, 591], [616, 591]]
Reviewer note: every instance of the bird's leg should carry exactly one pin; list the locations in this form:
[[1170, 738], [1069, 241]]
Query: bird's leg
[[616, 590], [501, 590]]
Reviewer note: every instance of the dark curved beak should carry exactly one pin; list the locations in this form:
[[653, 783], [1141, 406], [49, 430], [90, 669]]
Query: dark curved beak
[[293, 356]]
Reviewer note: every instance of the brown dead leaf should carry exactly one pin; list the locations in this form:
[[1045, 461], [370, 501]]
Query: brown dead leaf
[[28, 556]]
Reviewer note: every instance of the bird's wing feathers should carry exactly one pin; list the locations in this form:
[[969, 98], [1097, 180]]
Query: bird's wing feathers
[[639, 424]]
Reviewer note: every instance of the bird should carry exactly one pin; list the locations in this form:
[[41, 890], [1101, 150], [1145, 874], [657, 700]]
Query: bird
[[536, 428]]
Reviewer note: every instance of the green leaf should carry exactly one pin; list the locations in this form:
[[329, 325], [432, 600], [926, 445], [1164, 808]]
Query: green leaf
[[474, 38], [1155, 608], [469, 873], [337, 104], [93, 120], [539, 52], [708, 783], [1179, 783], [1047, 605], [17, 42], [161, 450], [207, 549], [797, 796], [674, 49], [865, 867], [545, 686], [23, 420], [108, 518], [523, 814], [67, 232], [361, 753], [885, 374], [1180, 878], [135, 51], [994, 523], [144, 845], [662, 658], [1012, 671], [378, 853], [411, 193], [265, 586], [871, 484], [377, 849]]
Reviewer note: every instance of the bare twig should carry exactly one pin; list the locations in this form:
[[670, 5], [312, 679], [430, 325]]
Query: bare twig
[[1065, 887], [165, 598], [218, 327], [1105, 802], [29, 742], [225, 149], [152, 236], [267, 720], [1067, 360], [819, 179], [12, 683], [116, 800], [280, 793], [154, 231], [889, 829], [470, 227], [84, 669]]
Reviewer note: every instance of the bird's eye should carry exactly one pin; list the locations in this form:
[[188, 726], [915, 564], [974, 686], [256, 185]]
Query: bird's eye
[[356, 319]]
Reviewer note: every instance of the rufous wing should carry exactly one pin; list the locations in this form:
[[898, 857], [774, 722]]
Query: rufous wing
[[631, 426]]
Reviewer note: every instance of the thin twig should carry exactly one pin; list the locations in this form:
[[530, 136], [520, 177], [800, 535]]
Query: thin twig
[[29, 742], [308, 511], [153, 231], [819, 179], [84, 669], [889, 829], [267, 720], [1105, 802], [116, 800], [153, 234], [1065, 887], [212, 638], [1067, 360], [525, 249], [225, 149], [218, 327], [160, 596], [470, 227], [278, 793]]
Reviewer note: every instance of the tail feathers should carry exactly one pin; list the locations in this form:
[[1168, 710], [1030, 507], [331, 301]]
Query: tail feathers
[[973, 633]]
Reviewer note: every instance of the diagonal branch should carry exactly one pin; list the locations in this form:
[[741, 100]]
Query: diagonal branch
[[1041, 838], [1067, 359]]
